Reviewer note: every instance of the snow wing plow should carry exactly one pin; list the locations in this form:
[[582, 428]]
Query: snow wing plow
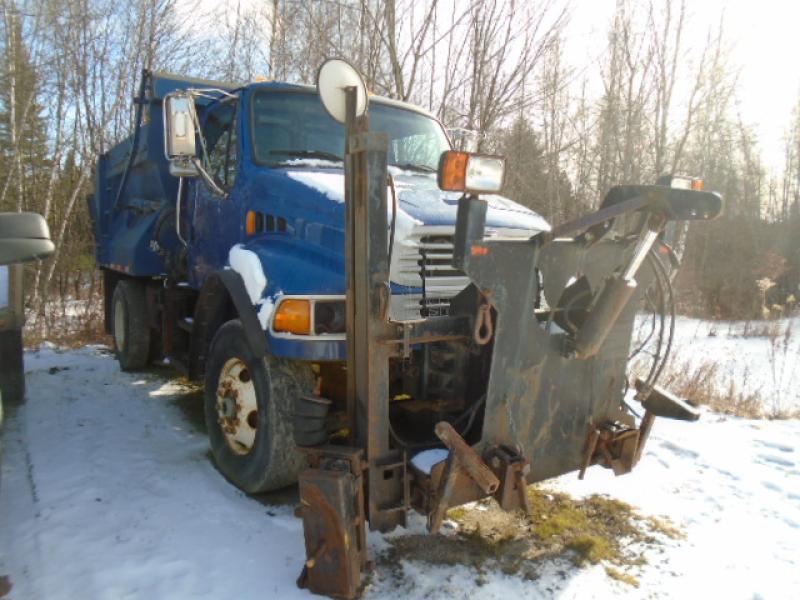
[[540, 341]]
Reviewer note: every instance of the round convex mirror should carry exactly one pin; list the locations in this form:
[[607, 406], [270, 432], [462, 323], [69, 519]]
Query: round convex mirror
[[334, 76]]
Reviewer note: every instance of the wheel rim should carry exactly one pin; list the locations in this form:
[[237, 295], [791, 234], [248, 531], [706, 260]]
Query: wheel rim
[[237, 407], [119, 324]]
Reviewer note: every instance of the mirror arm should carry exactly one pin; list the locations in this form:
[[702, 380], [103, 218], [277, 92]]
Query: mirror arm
[[196, 121], [178, 213], [209, 180]]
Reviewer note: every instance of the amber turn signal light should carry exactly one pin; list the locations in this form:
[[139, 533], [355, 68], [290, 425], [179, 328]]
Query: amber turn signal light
[[453, 170], [293, 316]]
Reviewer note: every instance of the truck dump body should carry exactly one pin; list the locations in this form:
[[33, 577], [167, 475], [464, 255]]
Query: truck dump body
[[127, 220]]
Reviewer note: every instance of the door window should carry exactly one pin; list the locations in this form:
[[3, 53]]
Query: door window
[[220, 135]]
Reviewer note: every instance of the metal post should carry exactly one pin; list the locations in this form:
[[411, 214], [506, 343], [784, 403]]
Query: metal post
[[350, 307], [368, 293]]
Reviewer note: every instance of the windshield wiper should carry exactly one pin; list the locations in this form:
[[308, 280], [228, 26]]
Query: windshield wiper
[[309, 154], [414, 167]]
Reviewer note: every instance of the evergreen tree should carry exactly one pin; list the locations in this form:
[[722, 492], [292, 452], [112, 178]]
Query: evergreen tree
[[23, 135]]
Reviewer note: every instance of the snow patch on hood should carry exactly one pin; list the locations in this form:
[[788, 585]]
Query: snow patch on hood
[[420, 190], [329, 184], [395, 171], [313, 163], [247, 264], [266, 309], [404, 222]]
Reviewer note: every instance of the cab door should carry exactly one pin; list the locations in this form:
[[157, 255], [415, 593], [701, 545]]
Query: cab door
[[216, 212]]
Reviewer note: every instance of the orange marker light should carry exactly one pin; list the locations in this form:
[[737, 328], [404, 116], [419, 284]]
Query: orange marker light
[[251, 222], [479, 250], [698, 185], [293, 316], [453, 171]]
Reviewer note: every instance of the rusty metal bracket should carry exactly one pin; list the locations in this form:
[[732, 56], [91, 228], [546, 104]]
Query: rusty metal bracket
[[484, 328], [468, 459], [613, 445], [462, 457], [443, 494], [332, 509], [512, 470]]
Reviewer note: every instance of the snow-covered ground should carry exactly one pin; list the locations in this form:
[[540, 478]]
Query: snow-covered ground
[[761, 356], [108, 493]]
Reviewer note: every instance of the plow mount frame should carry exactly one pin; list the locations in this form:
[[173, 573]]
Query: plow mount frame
[[554, 399]]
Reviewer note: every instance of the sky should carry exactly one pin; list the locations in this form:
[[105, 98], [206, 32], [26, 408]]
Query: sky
[[764, 43], [764, 40]]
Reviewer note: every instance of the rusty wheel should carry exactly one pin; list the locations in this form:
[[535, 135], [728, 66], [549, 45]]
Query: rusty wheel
[[248, 404], [237, 407]]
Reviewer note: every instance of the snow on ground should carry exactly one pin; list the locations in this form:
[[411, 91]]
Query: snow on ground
[[108, 493], [760, 356], [733, 487]]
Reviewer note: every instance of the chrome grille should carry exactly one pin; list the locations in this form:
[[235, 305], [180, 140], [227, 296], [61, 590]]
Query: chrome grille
[[428, 252]]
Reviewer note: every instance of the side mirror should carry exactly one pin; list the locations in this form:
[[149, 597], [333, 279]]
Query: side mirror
[[180, 145], [23, 237], [335, 75]]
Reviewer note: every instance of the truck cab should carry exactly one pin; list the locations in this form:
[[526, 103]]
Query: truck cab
[[236, 275]]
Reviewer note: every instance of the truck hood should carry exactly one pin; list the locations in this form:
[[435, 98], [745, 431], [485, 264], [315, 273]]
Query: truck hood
[[420, 201], [308, 257]]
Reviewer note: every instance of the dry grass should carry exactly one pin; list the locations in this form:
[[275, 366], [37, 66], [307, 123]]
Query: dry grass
[[771, 330], [706, 383], [70, 324], [621, 576], [92, 333], [700, 385], [595, 530]]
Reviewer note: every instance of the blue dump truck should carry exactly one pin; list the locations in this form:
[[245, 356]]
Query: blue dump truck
[[370, 318], [209, 272]]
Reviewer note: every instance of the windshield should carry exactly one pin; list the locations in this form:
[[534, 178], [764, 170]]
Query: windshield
[[288, 126]]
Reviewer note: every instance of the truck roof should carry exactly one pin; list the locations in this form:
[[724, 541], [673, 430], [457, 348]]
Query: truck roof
[[162, 83]]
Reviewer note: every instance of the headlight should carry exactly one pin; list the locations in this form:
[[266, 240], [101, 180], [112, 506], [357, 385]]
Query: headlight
[[329, 317]]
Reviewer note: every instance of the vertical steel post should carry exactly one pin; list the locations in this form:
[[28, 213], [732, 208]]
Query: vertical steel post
[[350, 306], [368, 294]]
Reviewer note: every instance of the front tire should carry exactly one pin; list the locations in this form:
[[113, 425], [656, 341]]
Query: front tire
[[248, 407], [130, 325]]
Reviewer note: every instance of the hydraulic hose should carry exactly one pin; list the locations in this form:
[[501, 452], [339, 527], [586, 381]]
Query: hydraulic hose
[[136, 133]]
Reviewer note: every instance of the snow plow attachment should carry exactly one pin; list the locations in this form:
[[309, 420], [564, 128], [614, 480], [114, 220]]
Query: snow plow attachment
[[541, 336], [554, 372], [553, 317]]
